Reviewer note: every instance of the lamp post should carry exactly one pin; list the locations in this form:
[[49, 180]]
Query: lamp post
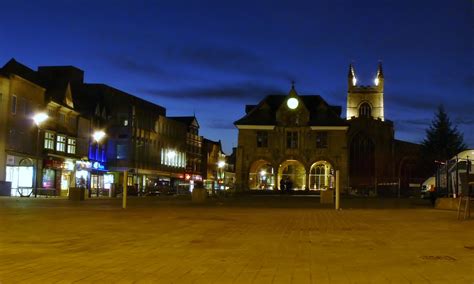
[[98, 135], [221, 165], [171, 155], [38, 118]]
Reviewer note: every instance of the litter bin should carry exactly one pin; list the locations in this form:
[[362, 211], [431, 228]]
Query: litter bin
[[199, 195], [327, 196], [76, 194]]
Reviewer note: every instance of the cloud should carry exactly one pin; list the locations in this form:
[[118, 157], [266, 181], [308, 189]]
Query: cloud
[[150, 69], [220, 124], [238, 91], [234, 60]]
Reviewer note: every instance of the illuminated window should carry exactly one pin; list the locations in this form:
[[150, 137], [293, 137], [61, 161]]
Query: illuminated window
[[71, 146], [365, 110], [61, 143], [121, 151], [49, 140], [262, 139], [291, 139], [321, 139]]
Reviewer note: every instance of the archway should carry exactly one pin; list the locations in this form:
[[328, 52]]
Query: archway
[[261, 176], [365, 110], [321, 176], [293, 174]]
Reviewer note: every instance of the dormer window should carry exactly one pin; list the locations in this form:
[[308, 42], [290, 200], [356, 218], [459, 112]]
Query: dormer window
[[365, 110]]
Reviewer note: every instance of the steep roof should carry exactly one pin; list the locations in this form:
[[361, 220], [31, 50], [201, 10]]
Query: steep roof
[[15, 67], [321, 113], [188, 120]]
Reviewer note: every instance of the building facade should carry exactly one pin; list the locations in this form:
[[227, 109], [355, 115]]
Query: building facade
[[378, 162], [193, 174], [291, 141], [21, 97]]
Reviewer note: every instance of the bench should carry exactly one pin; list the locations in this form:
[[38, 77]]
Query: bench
[[47, 191]]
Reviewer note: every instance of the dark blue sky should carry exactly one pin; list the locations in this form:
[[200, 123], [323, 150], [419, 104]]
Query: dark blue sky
[[213, 57]]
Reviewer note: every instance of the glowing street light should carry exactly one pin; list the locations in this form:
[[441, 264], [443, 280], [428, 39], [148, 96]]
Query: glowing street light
[[220, 164], [263, 173], [98, 135], [39, 118]]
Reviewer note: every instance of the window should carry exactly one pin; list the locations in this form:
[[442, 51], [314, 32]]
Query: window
[[71, 145], [262, 139], [61, 143], [292, 140], [365, 110], [13, 104], [49, 140], [72, 121], [121, 151], [321, 139], [62, 118]]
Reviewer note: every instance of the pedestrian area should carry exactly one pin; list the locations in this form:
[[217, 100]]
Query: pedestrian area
[[174, 241]]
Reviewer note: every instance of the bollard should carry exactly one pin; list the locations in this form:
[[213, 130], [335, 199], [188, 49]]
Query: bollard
[[338, 190], [124, 193]]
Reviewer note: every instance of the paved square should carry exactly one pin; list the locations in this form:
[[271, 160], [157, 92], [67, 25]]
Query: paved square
[[254, 240]]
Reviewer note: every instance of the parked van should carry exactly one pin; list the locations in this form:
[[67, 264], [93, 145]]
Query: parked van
[[427, 186]]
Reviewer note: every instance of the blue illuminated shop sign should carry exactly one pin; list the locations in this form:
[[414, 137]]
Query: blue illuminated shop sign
[[98, 166]]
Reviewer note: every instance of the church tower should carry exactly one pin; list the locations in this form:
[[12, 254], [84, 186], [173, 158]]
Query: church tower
[[365, 101]]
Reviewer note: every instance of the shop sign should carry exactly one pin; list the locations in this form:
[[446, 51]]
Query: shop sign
[[68, 165], [98, 166], [83, 165], [192, 177], [53, 164]]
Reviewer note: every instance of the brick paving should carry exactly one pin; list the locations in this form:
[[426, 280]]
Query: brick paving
[[253, 240]]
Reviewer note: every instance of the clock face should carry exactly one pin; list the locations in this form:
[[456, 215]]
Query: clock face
[[292, 103]]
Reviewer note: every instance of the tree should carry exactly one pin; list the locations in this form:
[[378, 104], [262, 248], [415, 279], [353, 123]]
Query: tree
[[443, 141]]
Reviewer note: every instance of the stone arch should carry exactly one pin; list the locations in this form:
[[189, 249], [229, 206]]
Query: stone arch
[[365, 109], [407, 169], [262, 175], [292, 173], [321, 175]]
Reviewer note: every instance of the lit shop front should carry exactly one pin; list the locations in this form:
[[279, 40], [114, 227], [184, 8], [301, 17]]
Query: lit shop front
[[58, 174], [93, 176], [20, 172]]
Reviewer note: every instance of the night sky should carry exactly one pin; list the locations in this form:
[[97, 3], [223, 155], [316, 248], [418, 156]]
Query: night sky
[[213, 57]]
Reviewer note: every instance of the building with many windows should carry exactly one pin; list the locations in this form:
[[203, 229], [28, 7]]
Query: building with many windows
[[193, 173], [21, 96], [299, 141], [291, 141]]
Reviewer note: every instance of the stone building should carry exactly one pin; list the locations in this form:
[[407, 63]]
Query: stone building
[[213, 161], [293, 141], [21, 96], [377, 159], [193, 173], [304, 140]]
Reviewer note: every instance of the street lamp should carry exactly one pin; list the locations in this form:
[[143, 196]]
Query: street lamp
[[38, 119], [98, 135], [171, 155], [221, 165]]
